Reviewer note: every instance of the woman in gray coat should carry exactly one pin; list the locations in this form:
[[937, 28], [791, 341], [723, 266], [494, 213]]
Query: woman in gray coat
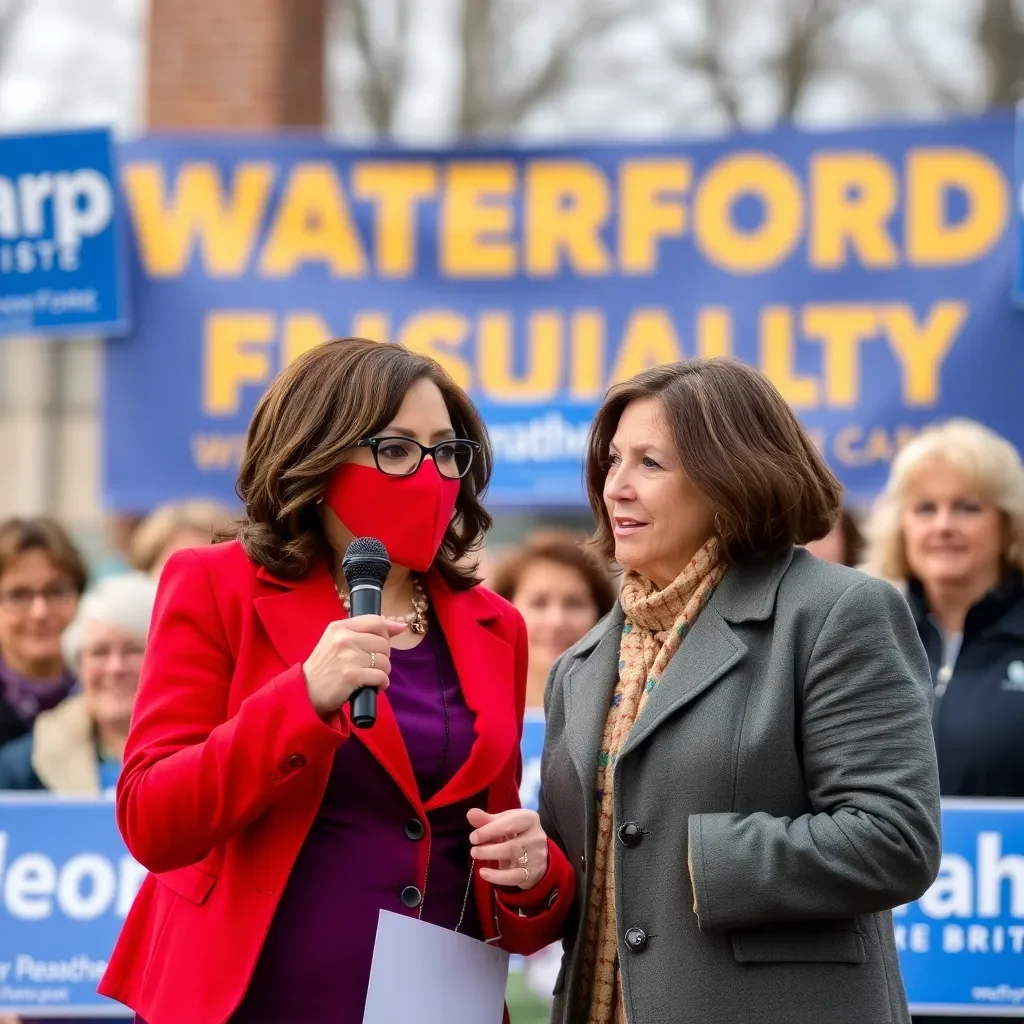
[[739, 759]]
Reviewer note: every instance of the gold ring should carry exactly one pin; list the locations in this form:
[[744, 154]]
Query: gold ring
[[525, 859], [373, 659], [526, 871]]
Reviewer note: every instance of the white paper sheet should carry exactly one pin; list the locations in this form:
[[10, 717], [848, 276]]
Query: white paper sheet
[[429, 975]]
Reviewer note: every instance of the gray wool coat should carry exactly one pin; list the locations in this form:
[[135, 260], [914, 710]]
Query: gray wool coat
[[777, 797]]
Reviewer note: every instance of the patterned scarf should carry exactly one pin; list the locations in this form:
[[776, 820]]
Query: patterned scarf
[[656, 623]]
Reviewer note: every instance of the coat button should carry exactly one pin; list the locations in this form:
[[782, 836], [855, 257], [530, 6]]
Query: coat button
[[296, 761], [636, 940], [412, 897], [630, 834], [414, 829]]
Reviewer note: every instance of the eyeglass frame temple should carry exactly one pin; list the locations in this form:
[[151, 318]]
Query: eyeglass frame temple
[[373, 443]]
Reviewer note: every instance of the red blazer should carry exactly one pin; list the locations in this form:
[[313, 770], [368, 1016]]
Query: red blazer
[[227, 762]]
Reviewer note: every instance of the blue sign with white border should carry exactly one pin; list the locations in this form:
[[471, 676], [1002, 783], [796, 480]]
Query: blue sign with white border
[[61, 261], [66, 883], [962, 944]]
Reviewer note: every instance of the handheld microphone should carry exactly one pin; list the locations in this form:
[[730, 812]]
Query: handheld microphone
[[366, 566]]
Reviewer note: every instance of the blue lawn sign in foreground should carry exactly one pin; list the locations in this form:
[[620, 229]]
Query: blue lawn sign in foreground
[[66, 883], [61, 266]]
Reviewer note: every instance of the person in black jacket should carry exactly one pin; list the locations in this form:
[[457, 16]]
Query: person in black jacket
[[950, 527]]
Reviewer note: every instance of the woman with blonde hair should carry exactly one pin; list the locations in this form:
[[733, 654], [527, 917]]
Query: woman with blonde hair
[[949, 526], [173, 527]]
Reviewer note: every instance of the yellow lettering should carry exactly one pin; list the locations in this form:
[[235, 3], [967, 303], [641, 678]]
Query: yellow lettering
[[496, 352], [855, 448], [714, 332], [841, 328], [302, 331], [440, 334], [650, 339], [476, 219], [650, 208], [313, 223], [921, 348], [587, 334], [853, 196], [225, 227], [235, 353], [373, 325], [396, 189], [567, 204], [769, 244], [931, 175], [778, 358]]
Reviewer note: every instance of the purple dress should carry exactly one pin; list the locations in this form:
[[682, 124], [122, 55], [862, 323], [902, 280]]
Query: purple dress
[[362, 854]]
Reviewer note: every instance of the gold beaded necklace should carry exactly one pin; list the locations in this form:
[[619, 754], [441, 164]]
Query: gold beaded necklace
[[416, 619]]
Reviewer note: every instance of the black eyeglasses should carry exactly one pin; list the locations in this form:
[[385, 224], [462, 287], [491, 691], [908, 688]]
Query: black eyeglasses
[[402, 456]]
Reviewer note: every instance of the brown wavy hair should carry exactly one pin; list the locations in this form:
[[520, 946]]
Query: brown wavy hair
[[310, 417], [742, 447], [562, 548]]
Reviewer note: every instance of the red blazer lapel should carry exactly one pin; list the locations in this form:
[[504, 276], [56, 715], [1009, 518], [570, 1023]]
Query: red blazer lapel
[[295, 614], [484, 663]]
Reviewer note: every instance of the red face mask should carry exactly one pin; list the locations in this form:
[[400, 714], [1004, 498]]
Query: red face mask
[[407, 514]]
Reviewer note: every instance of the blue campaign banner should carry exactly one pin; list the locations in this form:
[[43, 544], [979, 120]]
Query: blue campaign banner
[[66, 883], [962, 944], [61, 246], [868, 273], [1018, 209]]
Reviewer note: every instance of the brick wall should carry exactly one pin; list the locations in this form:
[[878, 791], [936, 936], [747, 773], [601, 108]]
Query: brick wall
[[236, 64]]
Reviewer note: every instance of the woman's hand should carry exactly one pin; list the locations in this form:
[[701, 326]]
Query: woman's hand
[[515, 841], [351, 654]]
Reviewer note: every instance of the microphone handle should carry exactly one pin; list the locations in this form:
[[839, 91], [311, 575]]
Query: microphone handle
[[364, 600]]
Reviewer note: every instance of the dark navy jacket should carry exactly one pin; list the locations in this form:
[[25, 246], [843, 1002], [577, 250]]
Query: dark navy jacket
[[978, 717]]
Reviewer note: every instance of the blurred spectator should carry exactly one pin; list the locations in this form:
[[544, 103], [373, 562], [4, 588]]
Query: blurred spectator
[[77, 747], [42, 576], [844, 544], [171, 527], [561, 592], [950, 526]]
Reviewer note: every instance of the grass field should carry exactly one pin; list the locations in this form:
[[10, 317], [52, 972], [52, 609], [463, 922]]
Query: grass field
[[524, 1007]]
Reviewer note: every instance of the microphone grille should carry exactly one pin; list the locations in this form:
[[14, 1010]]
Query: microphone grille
[[366, 560]]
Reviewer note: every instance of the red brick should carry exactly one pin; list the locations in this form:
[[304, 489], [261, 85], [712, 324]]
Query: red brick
[[236, 64]]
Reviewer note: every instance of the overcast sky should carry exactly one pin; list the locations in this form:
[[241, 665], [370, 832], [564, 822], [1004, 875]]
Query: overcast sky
[[83, 62]]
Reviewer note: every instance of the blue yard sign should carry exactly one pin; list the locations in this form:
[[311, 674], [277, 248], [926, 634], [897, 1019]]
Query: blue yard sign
[[61, 267], [67, 882], [962, 944]]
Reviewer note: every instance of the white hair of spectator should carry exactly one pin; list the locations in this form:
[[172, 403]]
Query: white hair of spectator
[[124, 601], [984, 460]]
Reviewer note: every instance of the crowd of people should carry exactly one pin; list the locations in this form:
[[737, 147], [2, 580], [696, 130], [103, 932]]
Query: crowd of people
[[948, 530]]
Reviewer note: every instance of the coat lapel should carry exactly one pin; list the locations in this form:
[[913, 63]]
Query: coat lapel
[[747, 593], [295, 614], [710, 649], [587, 694], [484, 663]]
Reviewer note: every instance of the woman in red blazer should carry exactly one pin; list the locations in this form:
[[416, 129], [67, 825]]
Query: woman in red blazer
[[274, 830]]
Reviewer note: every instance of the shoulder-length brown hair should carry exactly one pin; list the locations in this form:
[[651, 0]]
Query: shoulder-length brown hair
[[562, 548], [312, 414], [742, 447]]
